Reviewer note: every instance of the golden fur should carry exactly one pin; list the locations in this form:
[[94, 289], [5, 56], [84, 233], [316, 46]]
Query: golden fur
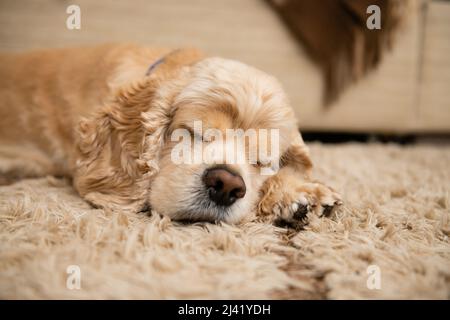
[[92, 114]]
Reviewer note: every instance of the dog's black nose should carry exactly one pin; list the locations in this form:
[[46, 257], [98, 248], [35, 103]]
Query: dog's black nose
[[224, 187]]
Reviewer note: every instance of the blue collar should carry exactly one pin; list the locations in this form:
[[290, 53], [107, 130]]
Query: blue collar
[[155, 64]]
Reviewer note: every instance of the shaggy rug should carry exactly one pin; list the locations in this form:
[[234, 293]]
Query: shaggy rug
[[389, 240]]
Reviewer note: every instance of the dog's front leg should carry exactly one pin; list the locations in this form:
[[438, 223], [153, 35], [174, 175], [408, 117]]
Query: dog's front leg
[[288, 198]]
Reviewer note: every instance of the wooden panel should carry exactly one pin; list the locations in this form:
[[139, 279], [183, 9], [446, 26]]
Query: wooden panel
[[434, 112]]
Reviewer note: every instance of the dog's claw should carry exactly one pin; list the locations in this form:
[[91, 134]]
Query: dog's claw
[[295, 215], [301, 212]]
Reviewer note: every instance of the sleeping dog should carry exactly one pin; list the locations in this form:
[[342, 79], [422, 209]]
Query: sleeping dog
[[106, 116]]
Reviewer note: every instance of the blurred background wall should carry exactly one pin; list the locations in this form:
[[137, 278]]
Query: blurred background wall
[[409, 92]]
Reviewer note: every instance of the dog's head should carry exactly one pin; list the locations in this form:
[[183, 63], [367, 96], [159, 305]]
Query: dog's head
[[195, 141]]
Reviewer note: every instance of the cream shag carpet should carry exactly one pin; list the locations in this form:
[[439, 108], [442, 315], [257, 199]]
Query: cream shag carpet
[[396, 217]]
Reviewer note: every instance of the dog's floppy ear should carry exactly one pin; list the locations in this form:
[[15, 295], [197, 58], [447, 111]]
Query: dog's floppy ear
[[118, 146]]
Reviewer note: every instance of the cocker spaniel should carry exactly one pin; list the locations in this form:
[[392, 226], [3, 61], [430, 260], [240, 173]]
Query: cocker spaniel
[[113, 118]]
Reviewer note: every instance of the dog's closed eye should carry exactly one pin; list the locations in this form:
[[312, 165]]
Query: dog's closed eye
[[196, 135], [263, 164]]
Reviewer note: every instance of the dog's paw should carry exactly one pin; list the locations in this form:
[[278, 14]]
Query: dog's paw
[[293, 205]]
